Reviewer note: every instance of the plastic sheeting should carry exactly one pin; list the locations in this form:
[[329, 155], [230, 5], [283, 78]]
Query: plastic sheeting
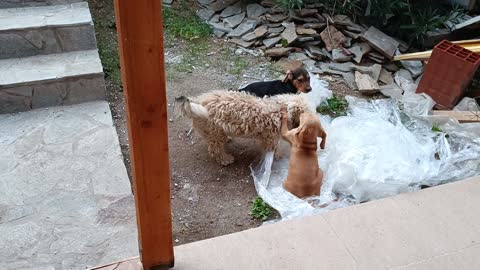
[[381, 148]]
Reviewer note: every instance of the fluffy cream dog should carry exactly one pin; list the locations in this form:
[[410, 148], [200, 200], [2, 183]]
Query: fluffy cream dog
[[218, 115]]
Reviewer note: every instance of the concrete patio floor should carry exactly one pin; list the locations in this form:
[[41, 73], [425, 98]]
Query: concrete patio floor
[[65, 197], [436, 228]]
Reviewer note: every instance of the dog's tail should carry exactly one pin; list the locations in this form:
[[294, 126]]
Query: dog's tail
[[191, 109]]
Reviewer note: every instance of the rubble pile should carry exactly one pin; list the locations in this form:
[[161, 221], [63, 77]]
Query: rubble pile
[[310, 37]]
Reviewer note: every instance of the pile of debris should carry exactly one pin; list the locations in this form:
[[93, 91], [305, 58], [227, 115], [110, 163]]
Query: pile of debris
[[312, 38]]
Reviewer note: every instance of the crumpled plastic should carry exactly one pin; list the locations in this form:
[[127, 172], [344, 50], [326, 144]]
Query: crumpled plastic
[[380, 149]]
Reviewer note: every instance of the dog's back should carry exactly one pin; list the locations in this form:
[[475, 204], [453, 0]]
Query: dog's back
[[270, 88]]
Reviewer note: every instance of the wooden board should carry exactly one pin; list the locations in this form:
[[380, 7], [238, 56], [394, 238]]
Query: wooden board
[[140, 37], [461, 116]]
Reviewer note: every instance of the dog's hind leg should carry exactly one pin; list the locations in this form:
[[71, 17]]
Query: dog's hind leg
[[216, 148], [216, 141]]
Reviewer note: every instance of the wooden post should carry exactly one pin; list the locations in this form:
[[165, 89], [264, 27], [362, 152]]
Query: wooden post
[[140, 37]]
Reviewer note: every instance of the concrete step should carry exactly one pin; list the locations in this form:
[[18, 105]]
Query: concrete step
[[32, 3], [65, 196], [30, 31], [50, 80]]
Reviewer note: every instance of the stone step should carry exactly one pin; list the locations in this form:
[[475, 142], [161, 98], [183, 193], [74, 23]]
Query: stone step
[[30, 31], [33, 3], [50, 80]]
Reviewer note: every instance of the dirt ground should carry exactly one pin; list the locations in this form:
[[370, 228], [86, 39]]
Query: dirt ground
[[208, 200]]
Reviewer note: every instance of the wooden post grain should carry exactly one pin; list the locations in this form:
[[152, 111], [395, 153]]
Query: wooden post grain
[[140, 37]]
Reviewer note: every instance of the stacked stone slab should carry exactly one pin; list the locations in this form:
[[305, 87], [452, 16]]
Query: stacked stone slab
[[48, 55]]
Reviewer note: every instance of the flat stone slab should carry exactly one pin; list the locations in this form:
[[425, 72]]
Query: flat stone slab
[[235, 20], [383, 43], [243, 28], [255, 10], [205, 14], [21, 71], [65, 197], [46, 40], [231, 10], [436, 228], [44, 16]]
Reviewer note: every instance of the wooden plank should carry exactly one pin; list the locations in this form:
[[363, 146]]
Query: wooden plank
[[474, 47], [140, 37], [461, 116]]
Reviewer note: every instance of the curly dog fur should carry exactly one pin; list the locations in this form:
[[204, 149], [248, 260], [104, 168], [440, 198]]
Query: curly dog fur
[[218, 115]]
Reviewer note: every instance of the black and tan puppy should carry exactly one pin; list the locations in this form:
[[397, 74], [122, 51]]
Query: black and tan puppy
[[297, 80]]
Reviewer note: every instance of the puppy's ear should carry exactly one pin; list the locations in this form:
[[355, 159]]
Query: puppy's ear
[[288, 76]]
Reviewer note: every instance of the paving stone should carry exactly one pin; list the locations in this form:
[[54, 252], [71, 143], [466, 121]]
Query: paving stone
[[52, 80], [215, 18], [340, 56], [310, 66], [45, 16], [241, 42], [250, 37], [276, 18], [381, 42], [218, 33], [261, 31], [272, 35], [47, 40], [205, 2], [243, 28], [287, 64], [314, 52], [255, 10], [235, 20], [269, 42], [220, 27], [319, 26], [391, 90], [342, 20], [305, 12], [277, 52], [305, 39], [221, 4], [48, 67], [293, 15], [385, 77], [332, 38], [64, 190], [347, 76], [276, 29], [365, 83], [312, 43], [375, 56], [300, 56], [290, 34], [273, 25], [306, 31], [392, 67], [348, 42], [359, 50], [205, 14], [231, 10]]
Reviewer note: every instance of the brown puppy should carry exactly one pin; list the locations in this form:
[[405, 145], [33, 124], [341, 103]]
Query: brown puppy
[[304, 176]]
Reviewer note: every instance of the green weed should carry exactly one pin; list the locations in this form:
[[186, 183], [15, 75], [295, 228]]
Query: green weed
[[436, 128], [334, 106], [238, 66], [260, 209], [181, 22], [290, 4]]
